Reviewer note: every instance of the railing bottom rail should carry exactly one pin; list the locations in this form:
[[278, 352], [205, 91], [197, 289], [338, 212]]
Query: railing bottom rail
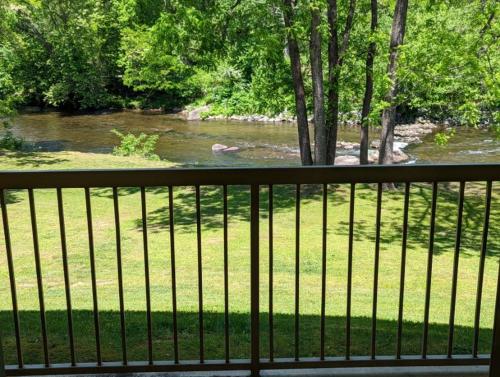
[[246, 365]]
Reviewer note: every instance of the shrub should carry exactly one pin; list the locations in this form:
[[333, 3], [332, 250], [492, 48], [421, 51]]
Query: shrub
[[441, 138], [131, 145], [8, 140], [496, 131], [496, 124]]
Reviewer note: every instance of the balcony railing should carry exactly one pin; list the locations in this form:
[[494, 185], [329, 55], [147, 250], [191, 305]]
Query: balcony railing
[[261, 183]]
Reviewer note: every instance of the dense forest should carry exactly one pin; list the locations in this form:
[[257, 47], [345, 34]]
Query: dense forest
[[327, 58]]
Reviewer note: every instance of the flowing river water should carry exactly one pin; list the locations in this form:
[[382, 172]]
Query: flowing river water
[[189, 143]]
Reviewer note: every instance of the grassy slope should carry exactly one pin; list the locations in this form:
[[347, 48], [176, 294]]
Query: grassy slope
[[213, 294]]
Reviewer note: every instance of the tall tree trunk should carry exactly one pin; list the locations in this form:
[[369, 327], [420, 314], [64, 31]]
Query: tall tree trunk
[[320, 132], [367, 100], [298, 86], [389, 114], [335, 59]]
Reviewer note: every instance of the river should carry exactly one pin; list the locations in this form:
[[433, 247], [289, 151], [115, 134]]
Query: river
[[188, 143]]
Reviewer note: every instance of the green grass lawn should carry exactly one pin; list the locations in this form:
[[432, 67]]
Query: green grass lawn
[[239, 267]]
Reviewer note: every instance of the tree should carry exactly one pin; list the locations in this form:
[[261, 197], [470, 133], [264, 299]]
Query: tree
[[449, 67], [325, 123], [389, 114], [336, 53], [66, 51], [320, 130], [298, 85], [367, 99]]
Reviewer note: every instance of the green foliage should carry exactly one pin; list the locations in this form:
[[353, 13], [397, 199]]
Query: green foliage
[[496, 124], [230, 93], [449, 65], [66, 55], [470, 114], [8, 140], [141, 146], [161, 50], [9, 91], [442, 138], [86, 54]]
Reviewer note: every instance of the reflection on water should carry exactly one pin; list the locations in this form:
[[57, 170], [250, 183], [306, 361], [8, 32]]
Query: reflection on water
[[189, 143]]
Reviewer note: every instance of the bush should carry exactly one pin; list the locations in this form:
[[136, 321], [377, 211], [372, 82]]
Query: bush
[[131, 145], [496, 131], [496, 124], [442, 138], [8, 140], [230, 92]]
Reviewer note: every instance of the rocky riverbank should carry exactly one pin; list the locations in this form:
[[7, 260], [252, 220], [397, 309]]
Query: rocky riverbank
[[348, 152], [203, 113], [404, 134]]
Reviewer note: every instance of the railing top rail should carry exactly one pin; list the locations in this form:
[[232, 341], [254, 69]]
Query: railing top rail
[[247, 176]]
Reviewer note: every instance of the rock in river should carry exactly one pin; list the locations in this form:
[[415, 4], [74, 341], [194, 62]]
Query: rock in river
[[346, 160], [231, 149], [224, 148], [398, 156], [218, 147], [196, 114]]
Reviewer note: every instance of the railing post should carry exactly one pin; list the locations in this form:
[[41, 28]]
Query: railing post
[[2, 362], [495, 349], [254, 279]]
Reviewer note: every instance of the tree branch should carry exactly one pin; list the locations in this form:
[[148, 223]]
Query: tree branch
[[347, 30]]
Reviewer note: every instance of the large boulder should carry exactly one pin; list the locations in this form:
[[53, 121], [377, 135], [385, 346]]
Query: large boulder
[[398, 156], [196, 114], [407, 132], [221, 148], [218, 147], [231, 150]]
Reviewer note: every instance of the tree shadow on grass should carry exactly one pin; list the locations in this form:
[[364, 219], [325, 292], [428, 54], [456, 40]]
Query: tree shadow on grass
[[13, 196], [211, 204], [239, 325], [419, 219], [212, 201], [32, 159]]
